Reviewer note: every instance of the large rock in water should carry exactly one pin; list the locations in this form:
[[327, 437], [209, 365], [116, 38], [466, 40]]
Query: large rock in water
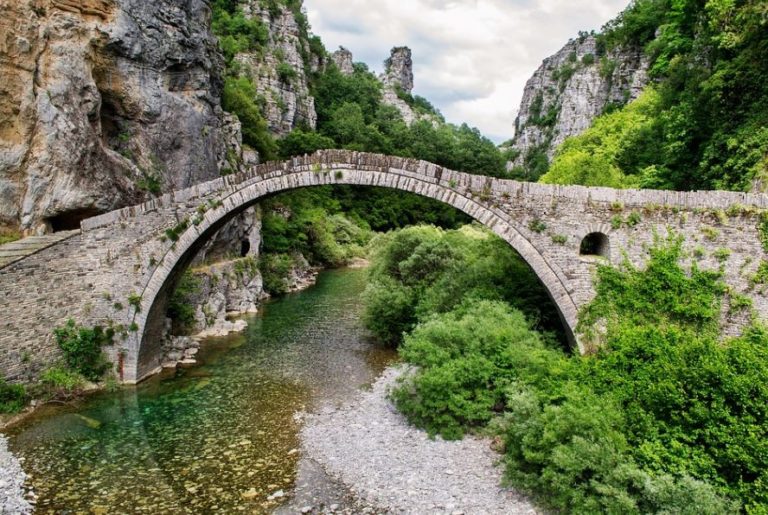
[[104, 102], [569, 90]]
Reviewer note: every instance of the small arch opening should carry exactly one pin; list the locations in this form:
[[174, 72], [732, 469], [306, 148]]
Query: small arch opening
[[595, 244], [245, 248]]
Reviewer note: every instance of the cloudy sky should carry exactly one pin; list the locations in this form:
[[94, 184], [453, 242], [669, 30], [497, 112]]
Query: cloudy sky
[[471, 57]]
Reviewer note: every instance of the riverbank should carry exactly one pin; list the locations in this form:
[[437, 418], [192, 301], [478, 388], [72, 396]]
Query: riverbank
[[12, 477], [369, 446]]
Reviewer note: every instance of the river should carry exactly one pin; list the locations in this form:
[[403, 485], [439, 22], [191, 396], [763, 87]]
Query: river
[[220, 437]]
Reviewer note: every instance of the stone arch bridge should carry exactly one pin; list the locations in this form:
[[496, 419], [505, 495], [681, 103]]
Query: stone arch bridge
[[120, 267]]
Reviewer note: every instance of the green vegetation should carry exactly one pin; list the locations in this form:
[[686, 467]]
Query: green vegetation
[[8, 235], [422, 270], [704, 123], [239, 98], [82, 348], [609, 153], [667, 416], [61, 382], [181, 306], [13, 397]]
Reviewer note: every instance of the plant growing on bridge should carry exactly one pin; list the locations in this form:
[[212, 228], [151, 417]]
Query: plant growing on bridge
[[82, 348], [134, 300], [175, 232], [560, 239], [710, 233], [537, 225], [633, 219]]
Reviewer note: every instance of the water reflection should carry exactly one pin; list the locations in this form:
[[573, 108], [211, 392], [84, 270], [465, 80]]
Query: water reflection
[[222, 437]]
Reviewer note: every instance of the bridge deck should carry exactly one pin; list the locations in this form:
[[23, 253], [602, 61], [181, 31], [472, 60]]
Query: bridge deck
[[17, 250]]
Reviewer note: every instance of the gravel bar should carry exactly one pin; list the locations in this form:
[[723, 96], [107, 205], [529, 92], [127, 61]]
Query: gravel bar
[[370, 447], [12, 498]]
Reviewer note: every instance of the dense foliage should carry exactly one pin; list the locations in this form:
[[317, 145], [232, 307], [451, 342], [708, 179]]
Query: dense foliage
[[352, 115], [13, 397], [666, 417], [707, 127], [419, 271], [82, 348]]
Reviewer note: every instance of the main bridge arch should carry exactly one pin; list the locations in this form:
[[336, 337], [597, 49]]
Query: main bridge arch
[[478, 200], [117, 270]]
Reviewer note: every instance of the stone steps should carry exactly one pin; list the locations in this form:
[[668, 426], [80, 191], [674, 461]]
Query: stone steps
[[18, 250]]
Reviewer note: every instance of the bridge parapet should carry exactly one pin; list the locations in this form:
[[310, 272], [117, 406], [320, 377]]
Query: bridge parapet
[[120, 269]]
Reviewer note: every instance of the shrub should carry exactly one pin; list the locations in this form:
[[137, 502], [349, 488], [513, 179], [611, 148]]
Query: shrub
[[13, 397], [62, 382], [286, 73], [274, 270], [466, 359], [181, 307], [537, 225], [82, 348]]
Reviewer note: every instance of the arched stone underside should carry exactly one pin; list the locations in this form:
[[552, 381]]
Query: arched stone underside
[[182, 253], [120, 268]]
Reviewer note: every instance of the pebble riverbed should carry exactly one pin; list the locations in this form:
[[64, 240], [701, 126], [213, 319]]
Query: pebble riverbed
[[391, 466], [12, 477]]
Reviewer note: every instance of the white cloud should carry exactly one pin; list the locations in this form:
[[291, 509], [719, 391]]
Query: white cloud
[[471, 57]]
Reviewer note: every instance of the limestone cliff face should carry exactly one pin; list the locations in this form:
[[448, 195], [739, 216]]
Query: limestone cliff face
[[104, 102], [569, 90], [281, 71], [396, 81], [343, 60]]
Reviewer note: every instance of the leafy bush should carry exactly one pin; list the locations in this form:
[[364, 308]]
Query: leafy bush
[[62, 383], [13, 397], [82, 348], [274, 270], [419, 271], [466, 359], [181, 307], [666, 417], [286, 73]]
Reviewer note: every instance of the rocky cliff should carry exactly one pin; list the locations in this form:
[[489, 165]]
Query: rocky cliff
[[568, 91], [103, 103], [396, 82], [281, 69]]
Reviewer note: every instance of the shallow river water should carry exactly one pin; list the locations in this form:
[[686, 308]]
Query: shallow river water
[[220, 437]]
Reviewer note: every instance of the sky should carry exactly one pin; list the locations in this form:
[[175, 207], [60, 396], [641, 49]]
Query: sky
[[471, 57]]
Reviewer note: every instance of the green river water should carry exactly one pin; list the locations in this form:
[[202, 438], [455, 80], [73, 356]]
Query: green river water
[[220, 437]]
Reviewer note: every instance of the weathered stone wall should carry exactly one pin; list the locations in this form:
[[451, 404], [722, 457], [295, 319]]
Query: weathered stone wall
[[141, 251]]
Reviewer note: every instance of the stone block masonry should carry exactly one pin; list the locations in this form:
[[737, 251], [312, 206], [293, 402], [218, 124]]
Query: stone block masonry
[[121, 268]]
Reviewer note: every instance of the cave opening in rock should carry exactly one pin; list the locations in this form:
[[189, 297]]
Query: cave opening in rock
[[245, 248], [70, 220]]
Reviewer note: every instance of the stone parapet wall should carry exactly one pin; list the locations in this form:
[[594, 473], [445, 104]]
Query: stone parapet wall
[[138, 253]]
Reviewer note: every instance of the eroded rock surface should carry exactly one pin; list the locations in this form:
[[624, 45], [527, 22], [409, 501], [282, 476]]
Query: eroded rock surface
[[569, 90], [280, 72], [103, 103]]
